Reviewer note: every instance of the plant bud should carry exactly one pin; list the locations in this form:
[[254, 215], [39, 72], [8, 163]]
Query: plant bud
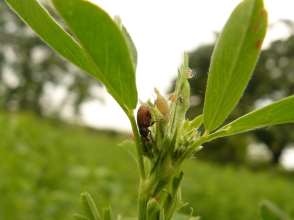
[[162, 104]]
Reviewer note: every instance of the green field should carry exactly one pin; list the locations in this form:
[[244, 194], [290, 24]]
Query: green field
[[45, 165]]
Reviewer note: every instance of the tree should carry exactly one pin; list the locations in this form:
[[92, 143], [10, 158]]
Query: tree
[[29, 69]]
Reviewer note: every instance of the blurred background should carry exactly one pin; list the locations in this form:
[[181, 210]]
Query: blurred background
[[62, 134]]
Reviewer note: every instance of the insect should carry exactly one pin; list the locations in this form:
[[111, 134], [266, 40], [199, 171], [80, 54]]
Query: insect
[[144, 120], [174, 98]]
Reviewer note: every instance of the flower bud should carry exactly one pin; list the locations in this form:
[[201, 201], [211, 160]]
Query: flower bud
[[161, 104]]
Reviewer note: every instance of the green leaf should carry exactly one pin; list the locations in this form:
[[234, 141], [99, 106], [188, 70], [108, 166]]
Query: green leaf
[[129, 40], [90, 207], [280, 112], [269, 211], [153, 210], [116, 69], [233, 61], [193, 124], [46, 27], [105, 43], [131, 45]]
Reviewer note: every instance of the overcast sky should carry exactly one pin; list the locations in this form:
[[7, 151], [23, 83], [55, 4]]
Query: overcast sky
[[162, 30]]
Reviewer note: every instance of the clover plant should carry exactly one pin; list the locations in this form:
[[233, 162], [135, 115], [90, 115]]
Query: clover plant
[[101, 46]]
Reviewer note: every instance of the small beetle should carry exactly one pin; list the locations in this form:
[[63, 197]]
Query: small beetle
[[144, 120]]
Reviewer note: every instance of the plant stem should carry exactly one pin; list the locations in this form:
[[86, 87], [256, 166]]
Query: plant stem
[[142, 202], [139, 147], [142, 199]]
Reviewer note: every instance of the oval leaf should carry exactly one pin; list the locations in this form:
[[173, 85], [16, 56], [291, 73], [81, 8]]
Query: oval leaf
[[105, 43], [36, 16], [233, 61], [280, 112], [46, 27]]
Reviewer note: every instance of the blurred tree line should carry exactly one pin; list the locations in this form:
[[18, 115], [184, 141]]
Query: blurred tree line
[[273, 79], [31, 73]]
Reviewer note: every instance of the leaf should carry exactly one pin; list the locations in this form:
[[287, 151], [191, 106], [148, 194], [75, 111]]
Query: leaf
[[131, 45], [269, 211], [45, 26], [153, 210], [105, 43], [129, 146], [280, 112], [129, 40], [233, 61], [90, 207], [193, 124], [120, 84]]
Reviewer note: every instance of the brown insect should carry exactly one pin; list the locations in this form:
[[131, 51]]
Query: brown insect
[[144, 120]]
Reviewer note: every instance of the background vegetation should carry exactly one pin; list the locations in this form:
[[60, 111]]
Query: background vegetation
[[45, 168]]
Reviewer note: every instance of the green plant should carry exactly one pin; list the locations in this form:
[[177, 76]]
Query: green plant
[[164, 137], [270, 211]]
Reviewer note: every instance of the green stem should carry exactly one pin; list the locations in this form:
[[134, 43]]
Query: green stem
[[142, 200], [139, 146]]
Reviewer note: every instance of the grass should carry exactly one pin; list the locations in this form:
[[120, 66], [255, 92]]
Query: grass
[[45, 165]]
